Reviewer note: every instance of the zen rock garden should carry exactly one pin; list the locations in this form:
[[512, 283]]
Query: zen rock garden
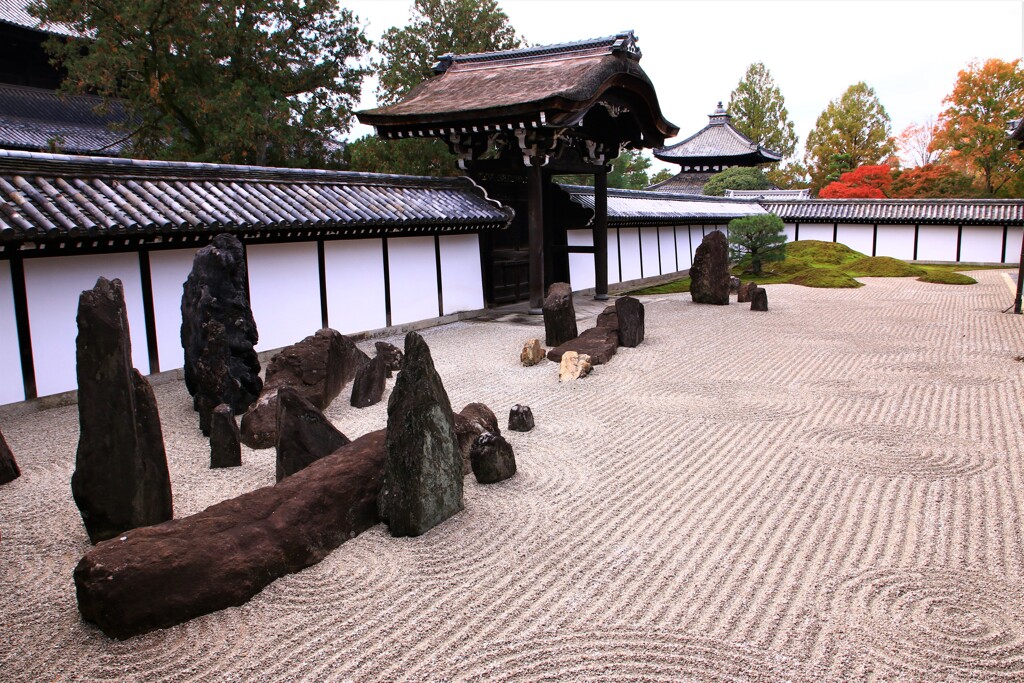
[[710, 281]]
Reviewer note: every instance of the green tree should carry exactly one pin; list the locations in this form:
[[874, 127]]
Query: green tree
[[756, 239], [737, 178], [855, 125], [628, 172], [759, 111], [255, 82], [661, 176], [410, 156]]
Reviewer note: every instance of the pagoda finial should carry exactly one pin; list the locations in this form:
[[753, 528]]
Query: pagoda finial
[[720, 116]]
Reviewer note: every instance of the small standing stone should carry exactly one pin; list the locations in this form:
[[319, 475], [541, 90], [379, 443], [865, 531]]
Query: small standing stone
[[573, 366], [225, 438], [8, 467], [709, 274], [492, 459], [304, 434], [392, 356], [559, 315], [759, 300], [631, 321], [532, 353], [744, 292], [368, 386], [520, 418]]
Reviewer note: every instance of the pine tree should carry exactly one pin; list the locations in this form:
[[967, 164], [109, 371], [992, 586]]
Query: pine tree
[[756, 239], [758, 111]]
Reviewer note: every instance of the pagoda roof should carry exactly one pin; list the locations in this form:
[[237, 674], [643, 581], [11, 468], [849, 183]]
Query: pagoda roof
[[549, 86], [717, 144]]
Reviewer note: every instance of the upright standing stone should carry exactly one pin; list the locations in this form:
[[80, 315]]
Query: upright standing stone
[[423, 470], [559, 315], [520, 418], [218, 332], [304, 434], [631, 321], [8, 467], [120, 480], [709, 274], [759, 300], [392, 356], [368, 386], [225, 440]]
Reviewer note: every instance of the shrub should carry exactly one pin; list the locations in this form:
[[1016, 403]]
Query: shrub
[[882, 266], [824, 277], [756, 239], [737, 178], [945, 277]]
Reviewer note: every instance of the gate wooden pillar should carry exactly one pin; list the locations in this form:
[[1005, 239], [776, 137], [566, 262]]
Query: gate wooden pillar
[[535, 232], [601, 235]]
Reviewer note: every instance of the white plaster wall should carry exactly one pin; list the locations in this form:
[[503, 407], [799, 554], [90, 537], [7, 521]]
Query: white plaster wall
[[169, 270], [896, 241], [461, 278], [53, 287], [12, 387], [683, 246], [696, 237], [613, 257], [413, 271], [581, 266], [982, 243], [856, 237], [284, 290], [1013, 244], [790, 230], [936, 243], [355, 285], [650, 252], [629, 244], [668, 250], [816, 231]]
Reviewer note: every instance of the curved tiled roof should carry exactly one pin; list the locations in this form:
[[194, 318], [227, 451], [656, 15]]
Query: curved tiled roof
[[630, 207], [937, 211], [717, 143], [34, 118], [15, 13], [53, 197]]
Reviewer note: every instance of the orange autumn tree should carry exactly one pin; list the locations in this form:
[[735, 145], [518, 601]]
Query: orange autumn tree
[[932, 181], [863, 182], [971, 133]]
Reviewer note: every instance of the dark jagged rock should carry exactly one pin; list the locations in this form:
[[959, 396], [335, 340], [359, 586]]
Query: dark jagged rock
[[8, 466], [225, 441], [368, 387], [520, 418], [423, 471], [709, 274], [600, 343], [759, 299], [744, 292], [492, 459], [559, 315], [218, 332], [631, 321], [734, 284], [318, 367], [164, 575], [120, 480], [474, 420], [392, 356], [304, 434], [609, 317]]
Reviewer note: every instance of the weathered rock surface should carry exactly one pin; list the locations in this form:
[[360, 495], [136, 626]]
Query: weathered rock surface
[[609, 317], [218, 332], [631, 321], [164, 575], [392, 356], [423, 470], [532, 353], [709, 274], [759, 299], [599, 343], [474, 420], [520, 418], [368, 386], [573, 366], [120, 480], [559, 314], [492, 459], [744, 292], [225, 440], [734, 284], [318, 367], [304, 434], [8, 466]]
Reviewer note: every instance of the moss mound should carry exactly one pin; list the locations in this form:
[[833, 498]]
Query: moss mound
[[882, 266], [945, 277], [816, 251], [824, 277]]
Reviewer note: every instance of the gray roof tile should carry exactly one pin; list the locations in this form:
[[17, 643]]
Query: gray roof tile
[[910, 211], [641, 207], [33, 118]]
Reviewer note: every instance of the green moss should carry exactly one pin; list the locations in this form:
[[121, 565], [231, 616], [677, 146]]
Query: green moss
[[824, 277], [945, 277], [816, 251], [882, 266], [674, 287]]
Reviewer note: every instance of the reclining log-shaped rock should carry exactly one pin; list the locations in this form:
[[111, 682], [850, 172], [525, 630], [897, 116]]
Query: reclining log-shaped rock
[[159, 576], [600, 343]]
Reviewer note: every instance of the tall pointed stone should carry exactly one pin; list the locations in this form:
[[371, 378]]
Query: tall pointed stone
[[120, 480], [8, 466], [559, 315], [709, 274], [423, 468], [304, 434]]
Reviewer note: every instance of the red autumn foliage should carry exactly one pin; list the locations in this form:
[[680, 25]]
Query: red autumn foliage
[[934, 180], [863, 182]]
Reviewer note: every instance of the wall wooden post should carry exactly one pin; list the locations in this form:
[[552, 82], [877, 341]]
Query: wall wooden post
[[536, 235], [601, 235]]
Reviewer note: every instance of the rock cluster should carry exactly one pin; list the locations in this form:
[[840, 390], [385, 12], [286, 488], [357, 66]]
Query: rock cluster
[[598, 343], [533, 352], [8, 466], [120, 480], [520, 418], [709, 274], [225, 439], [492, 459], [304, 434], [474, 420], [559, 315], [573, 366], [368, 387]]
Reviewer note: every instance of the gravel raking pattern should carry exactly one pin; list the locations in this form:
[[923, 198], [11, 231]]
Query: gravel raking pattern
[[833, 490]]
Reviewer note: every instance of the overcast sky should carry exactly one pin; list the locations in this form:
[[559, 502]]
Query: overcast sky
[[695, 51]]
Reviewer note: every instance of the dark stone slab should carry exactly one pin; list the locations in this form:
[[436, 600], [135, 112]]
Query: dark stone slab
[[120, 480], [520, 418], [559, 315], [392, 356], [8, 466], [225, 441], [709, 274], [423, 471], [218, 332], [609, 317], [759, 300], [164, 575], [744, 292], [600, 343], [492, 459], [631, 321], [368, 386], [304, 434], [474, 420]]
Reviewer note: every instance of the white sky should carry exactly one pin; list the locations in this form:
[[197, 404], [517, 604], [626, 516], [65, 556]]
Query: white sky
[[695, 51]]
